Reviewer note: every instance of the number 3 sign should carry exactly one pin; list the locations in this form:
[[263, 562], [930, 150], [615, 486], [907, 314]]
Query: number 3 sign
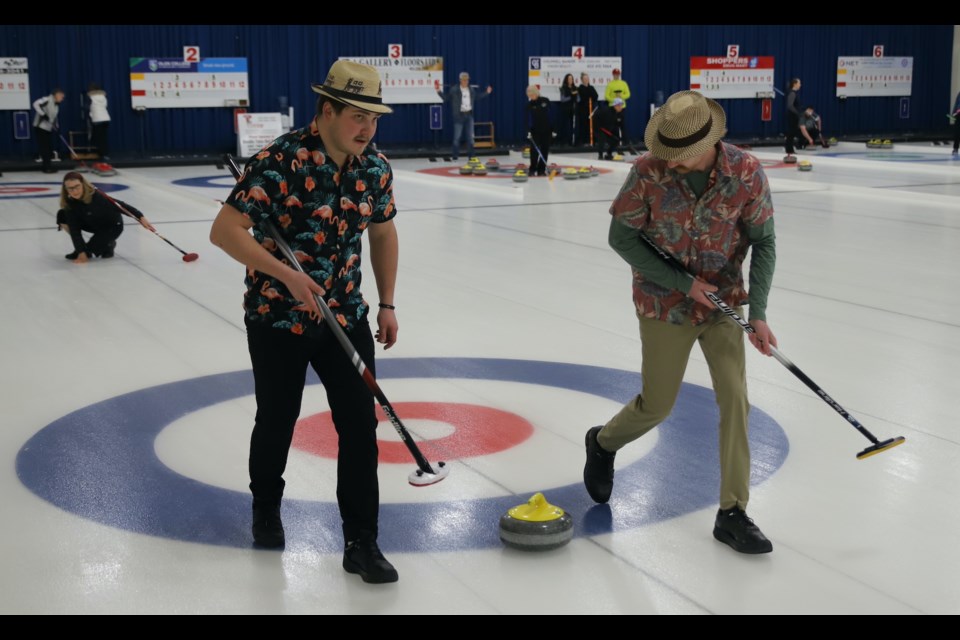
[[191, 54], [394, 51]]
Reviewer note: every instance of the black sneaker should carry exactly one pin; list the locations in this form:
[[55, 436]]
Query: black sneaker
[[363, 557], [108, 252], [598, 471], [72, 256], [735, 529], [267, 526]]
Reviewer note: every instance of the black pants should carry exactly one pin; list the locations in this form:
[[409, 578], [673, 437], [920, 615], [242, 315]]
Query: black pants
[[814, 133], [793, 131], [538, 165], [956, 133], [584, 124], [104, 235], [99, 138], [607, 143], [45, 146], [567, 129], [280, 360]]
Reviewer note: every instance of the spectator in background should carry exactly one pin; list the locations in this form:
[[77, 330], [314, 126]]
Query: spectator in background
[[100, 119], [463, 100], [589, 101], [811, 128], [540, 130], [569, 97], [617, 88], [609, 129], [46, 110], [793, 117], [955, 119]]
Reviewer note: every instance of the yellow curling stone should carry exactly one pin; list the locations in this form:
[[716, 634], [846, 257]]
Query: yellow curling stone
[[536, 526]]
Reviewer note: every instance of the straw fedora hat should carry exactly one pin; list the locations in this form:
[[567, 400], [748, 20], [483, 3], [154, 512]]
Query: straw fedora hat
[[355, 84], [687, 125]]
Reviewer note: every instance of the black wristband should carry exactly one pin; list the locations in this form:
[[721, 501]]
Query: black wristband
[[384, 305]]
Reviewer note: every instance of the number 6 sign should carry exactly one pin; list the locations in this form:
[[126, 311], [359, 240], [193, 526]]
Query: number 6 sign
[[191, 54]]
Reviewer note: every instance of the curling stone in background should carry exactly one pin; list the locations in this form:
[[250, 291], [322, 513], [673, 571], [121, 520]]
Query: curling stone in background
[[618, 157], [520, 176], [493, 165], [104, 169], [583, 172], [875, 144], [536, 526], [479, 170], [570, 173], [805, 165], [886, 144], [466, 169], [526, 152], [594, 171], [833, 142], [790, 159]]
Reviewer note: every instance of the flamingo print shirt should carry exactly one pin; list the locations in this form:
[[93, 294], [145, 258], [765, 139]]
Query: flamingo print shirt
[[321, 211], [710, 234]]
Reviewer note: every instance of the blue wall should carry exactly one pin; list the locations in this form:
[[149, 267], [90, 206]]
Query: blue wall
[[285, 59]]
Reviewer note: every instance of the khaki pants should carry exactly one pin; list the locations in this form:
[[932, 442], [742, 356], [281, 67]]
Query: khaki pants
[[666, 350]]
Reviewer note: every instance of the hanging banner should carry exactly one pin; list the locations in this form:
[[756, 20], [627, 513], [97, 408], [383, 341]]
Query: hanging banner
[[548, 72], [14, 84], [257, 130], [860, 76], [173, 83], [725, 77], [407, 79]]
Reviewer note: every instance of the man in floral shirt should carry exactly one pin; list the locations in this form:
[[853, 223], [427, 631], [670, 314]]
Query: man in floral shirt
[[321, 186], [706, 203]]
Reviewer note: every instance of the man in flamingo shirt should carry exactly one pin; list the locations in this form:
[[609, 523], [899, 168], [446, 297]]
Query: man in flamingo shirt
[[322, 187]]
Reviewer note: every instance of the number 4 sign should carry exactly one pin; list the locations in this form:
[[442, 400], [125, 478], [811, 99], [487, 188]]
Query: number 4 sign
[[578, 52], [191, 54]]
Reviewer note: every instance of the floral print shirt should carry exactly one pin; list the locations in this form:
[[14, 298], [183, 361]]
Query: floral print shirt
[[321, 211], [710, 235]]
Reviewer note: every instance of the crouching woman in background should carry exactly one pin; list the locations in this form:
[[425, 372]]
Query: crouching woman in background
[[84, 208]]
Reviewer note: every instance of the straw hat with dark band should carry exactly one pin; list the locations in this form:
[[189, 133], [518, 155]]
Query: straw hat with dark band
[[687, 125], [355, 84]]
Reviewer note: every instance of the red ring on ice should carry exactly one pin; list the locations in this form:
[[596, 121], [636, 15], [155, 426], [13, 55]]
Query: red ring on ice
[[16, 191], [478, 431]]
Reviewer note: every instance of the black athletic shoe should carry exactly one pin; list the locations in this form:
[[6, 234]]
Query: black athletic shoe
[[735, 529], [363, 557], [108, 252], [598, 471], [267, 526], [72, 256]]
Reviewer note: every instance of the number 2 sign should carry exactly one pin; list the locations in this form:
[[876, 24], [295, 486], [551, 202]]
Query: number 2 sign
[[191, 54]]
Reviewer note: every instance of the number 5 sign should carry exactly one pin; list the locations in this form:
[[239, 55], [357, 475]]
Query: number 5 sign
[[733, 51], [394, 51], [191, 54], [579, 52]]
